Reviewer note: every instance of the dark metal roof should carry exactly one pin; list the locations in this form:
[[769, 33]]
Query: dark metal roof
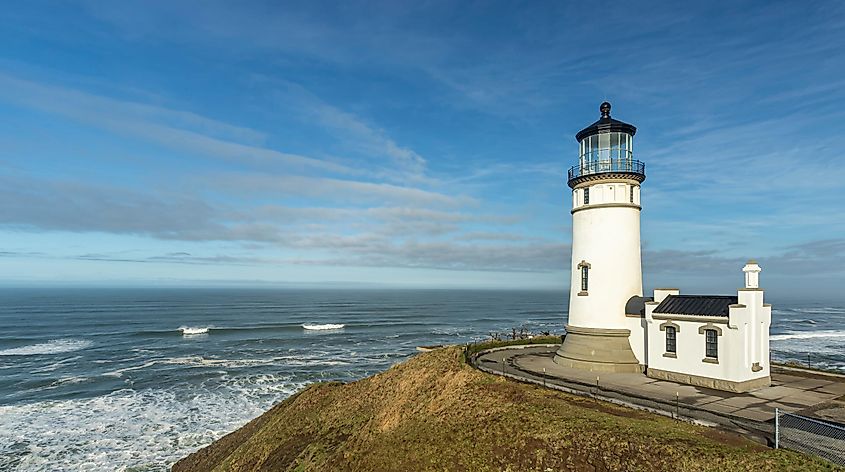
[[701, 305], [636, 305], [605, 124]]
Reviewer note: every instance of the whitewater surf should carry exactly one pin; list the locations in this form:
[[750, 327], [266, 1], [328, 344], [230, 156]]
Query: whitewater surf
[[323, 327]]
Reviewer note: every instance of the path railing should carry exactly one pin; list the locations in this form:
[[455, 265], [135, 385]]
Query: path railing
[[810, 436]]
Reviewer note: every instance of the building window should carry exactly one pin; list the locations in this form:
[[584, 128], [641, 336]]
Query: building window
[[585, 278], [586, 195], [631, 194], [671, 345], [711, 345]]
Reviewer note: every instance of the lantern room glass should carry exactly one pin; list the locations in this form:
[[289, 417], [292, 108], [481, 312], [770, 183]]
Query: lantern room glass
[[605, 151]]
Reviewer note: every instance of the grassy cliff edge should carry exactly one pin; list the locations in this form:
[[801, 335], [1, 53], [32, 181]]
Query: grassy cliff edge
[[434, 412]]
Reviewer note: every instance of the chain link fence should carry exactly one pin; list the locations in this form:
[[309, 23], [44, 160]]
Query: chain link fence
[[810, 436]]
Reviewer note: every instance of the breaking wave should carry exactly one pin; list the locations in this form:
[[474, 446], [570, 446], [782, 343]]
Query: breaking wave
[[168, 423], [807, 335], [54, 346], [190, 331], [797, 320], [828, 310], [320, 327]]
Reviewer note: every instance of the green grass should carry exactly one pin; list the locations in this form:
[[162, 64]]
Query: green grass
[[434, 412]]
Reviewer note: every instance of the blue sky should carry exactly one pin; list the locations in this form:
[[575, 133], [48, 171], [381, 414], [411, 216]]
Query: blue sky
[[413, 144]]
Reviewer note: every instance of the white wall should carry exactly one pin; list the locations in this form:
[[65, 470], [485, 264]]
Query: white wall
[[638, 338], [608, 238], [744, 341]]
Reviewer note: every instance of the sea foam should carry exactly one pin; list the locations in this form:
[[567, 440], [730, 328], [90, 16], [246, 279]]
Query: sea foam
[[320, 327], [54, 346], [157, 426], [190, 331], [807, 335]]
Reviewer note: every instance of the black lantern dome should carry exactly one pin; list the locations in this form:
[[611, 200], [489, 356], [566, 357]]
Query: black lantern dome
[[606, 150], [606, 124]]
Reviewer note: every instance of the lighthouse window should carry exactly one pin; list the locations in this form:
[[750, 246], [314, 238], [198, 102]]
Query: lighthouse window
[[590, 149], [671, 345], [614, 145], [604, 147], [586, 195], [631, 194], [585, 278], [711, 344]]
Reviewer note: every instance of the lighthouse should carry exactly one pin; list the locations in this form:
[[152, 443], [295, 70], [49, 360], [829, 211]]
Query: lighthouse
[[606, 264]]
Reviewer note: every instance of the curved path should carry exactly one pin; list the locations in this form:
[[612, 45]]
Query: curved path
[[748, 413]]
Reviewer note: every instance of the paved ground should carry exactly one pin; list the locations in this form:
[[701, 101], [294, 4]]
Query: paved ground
[[792, 392]]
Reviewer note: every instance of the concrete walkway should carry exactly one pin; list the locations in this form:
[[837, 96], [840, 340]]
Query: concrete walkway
[[791, 392]]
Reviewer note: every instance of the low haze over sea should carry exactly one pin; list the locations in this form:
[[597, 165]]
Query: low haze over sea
[[117, 379]]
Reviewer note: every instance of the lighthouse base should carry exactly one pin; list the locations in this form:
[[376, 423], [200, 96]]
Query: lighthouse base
[[598, 350]]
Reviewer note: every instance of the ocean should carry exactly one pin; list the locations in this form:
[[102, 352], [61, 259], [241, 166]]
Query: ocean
[[119, 379]]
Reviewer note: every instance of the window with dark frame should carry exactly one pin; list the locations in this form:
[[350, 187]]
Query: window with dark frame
[[584, 278], [632, 194], [671, 345], [711, 344], [586, 195]]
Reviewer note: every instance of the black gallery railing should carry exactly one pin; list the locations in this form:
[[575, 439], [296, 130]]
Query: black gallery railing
[[608, 165]]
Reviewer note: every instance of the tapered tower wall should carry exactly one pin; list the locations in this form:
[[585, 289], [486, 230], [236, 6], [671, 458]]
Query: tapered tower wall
[[605, 235]]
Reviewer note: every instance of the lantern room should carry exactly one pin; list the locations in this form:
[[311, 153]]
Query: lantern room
[[606, 146]]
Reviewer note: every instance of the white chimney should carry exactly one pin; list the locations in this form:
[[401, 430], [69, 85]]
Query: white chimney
[[752, 274]]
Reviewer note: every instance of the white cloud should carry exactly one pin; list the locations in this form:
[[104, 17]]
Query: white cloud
[[337, 190], [173, 128]]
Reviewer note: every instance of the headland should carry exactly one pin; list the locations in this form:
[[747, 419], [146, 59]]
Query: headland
[[437, 412]]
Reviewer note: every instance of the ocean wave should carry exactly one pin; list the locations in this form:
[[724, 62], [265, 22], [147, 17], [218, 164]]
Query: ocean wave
[[323, 327], [807, 335], [215, 329], [53, 366], [192, 361], [54, 346], [828, 310], [310, 361], [450, 331], [798, 320], [191, 331], [170, 423], [66, 381], [200, 361], [119, 372]]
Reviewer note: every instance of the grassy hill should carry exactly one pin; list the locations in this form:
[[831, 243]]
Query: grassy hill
[[434, 412]]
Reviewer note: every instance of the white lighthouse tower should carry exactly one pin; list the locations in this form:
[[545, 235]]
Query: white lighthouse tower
[[606, 263]]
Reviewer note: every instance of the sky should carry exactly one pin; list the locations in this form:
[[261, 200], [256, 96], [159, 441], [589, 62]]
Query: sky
[[414, 144]]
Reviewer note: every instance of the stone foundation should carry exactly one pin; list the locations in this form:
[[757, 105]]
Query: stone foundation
[[598, 350], [717, 384]]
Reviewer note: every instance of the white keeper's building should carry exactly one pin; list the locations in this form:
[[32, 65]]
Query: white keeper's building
[[708, 340]]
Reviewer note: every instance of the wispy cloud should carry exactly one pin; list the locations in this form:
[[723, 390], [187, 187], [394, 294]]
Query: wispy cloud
[[337, 189], [173, 128], [451, 256], [413, 135], [370, 141], [811, 259], [383, 236]]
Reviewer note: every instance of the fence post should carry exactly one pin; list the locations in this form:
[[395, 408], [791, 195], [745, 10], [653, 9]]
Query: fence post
[[777, 428], [677, 405]]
